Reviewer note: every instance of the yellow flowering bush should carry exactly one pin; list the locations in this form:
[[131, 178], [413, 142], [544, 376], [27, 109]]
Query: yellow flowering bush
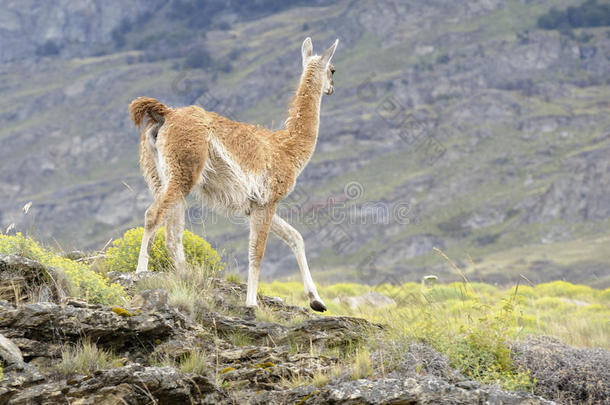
[[123, 254], [83, 282]]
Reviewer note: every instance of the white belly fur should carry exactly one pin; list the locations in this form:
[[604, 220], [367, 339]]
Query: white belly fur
[[226, 186]]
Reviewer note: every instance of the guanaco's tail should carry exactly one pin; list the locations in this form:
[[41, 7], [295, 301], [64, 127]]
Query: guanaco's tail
[[147, 111]]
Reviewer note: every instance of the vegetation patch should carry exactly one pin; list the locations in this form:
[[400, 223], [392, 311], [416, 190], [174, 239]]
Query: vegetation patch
[[589, 14], [86, 358], [124, 252], [188, 289], [472, 324], [82, 281], [120, 311], [194, 362]]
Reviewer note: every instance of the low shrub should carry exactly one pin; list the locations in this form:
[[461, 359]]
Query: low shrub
[[564, 289], [123, 255], [480, 350], [82, 281]]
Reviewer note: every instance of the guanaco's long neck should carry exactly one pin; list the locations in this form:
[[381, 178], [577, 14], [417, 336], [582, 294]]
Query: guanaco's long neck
[[304, 118]]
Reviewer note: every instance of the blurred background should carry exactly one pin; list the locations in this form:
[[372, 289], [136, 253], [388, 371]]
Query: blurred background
[[481, 128]]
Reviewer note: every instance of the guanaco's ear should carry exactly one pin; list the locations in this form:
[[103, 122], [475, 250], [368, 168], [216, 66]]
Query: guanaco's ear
[[306, 50], [330, 52]]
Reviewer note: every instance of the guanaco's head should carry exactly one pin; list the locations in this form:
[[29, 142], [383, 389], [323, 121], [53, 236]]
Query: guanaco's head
[[321, 63]]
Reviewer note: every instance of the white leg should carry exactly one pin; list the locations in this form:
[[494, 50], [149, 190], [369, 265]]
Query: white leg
[[174, 228], [155, 215], [293, 238], [260, 223], [143, 258], [253, 273]]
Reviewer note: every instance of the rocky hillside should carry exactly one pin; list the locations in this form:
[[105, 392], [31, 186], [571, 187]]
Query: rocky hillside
[[461, 125], [58, 349]]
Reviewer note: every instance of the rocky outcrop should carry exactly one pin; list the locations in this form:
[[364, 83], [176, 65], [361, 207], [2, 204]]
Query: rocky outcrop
[[391, 391], [23, 279], [255, 372], [41, 328], [132, 384], [242, 359]]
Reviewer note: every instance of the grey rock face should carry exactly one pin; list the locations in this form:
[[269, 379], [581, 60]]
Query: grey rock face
[[422, 390], [150, 300], [132, 384], [40, 322], [10, 353], [22, 279], [72, 28]]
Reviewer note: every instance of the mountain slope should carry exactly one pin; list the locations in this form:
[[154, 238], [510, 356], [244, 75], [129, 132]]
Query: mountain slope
[[455, 125]]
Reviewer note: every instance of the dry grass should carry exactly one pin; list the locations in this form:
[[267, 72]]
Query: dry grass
[[188, 289], [86, 358], [194, 362], [362, 366], [266, 314]]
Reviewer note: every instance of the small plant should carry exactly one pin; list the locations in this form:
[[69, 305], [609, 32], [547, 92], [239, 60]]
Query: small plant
[[234, 278], [162, 360], [362, 366], [194, 362], [86, 358], [238, 338], [123, 255], [187, 289], [266, 314], [480, 350]]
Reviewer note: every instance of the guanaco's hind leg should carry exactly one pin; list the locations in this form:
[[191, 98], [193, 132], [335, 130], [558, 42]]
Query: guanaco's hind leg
[[260, 224], [174, 228], [155, 215], [185, 163], [293, 238]]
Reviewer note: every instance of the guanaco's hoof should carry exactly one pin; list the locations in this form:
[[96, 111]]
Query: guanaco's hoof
[[317, 306]]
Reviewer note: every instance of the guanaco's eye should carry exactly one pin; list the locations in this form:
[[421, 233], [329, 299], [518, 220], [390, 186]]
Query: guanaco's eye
[[332, 71]]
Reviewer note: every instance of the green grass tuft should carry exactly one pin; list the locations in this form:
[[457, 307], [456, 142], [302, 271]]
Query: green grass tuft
[[86, 358]]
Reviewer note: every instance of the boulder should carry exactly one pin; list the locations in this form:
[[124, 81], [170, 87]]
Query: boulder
[[43, 326], [565, 373], [23, 280], [133, 384], [10, 353]]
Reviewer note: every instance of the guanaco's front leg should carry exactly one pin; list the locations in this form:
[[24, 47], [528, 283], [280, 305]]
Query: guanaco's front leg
[[260, 224]]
